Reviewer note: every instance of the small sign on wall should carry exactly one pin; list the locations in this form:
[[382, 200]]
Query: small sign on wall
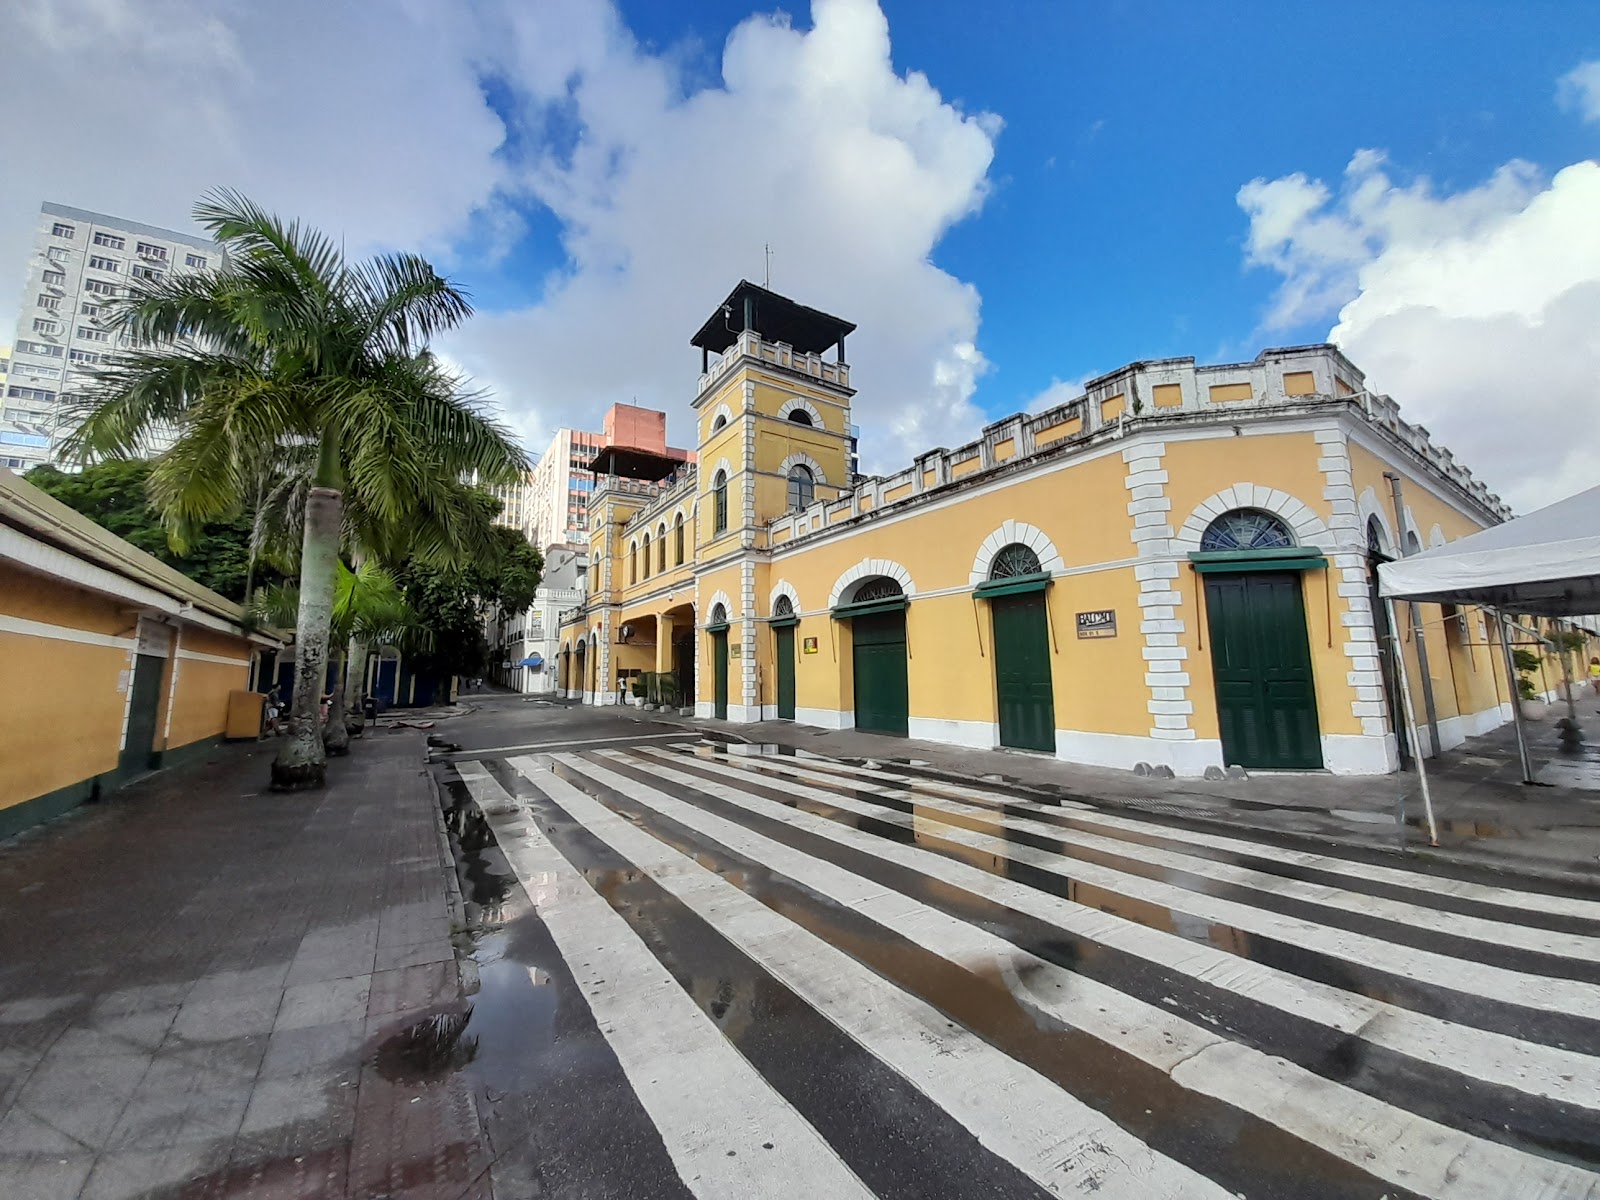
[[736, 650], [1098, 623], [808, 645]]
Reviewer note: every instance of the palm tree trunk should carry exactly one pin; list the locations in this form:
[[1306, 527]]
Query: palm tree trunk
[[335, 737], [301, 762], [356, 681]]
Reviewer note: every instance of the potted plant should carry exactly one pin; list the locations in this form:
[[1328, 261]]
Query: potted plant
[[1526, 662]]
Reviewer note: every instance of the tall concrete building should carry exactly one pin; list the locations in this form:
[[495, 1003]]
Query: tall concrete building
[[80, 260]]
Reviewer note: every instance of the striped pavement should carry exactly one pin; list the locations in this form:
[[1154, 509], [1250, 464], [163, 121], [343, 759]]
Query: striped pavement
[[823, 979]]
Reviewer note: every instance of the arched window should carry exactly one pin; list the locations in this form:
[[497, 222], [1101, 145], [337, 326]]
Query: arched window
[[661, 547], [879, 587], [677, 538], [633, 563], [1377, 543], [1413, 543], [1246, 529], [802, 486], [1015, 559], [719, 614], [719, 503], [645, 546], [783, 607], [718, 423], [800, 417]]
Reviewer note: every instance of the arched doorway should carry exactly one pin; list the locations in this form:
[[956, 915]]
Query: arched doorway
[[876, 610], [784, 621], [717, 627], [1024, 698], [581, 682], [1260, 654]]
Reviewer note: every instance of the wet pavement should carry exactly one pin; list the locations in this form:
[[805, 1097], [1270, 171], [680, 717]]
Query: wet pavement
[[196, 978], [956, 987], [694, 967]]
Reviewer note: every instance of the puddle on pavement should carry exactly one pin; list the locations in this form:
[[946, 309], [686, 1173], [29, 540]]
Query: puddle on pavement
[[428, 1049]]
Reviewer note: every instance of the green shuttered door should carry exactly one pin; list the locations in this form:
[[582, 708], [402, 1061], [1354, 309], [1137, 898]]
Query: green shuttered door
[[882, 697], [1022, 672], [719, 673], [1266, 700], [784, 650]]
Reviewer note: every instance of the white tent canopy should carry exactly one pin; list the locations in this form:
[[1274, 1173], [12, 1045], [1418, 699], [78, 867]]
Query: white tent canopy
[[1544, 564]]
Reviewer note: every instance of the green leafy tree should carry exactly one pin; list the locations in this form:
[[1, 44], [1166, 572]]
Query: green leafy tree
[[291, 349], [114, 494]]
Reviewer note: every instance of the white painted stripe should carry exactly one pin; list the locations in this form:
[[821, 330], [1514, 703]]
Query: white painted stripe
[[1374, 1136], [496, 751], [201, 656], [63, 633], [714, 1111], [1570, 996], [1016, 1113], [1493, 1057], [1428, 884], [1418, 916]]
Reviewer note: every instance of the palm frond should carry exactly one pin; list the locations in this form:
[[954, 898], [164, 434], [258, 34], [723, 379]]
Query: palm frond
[[251, 234], [405, 302]]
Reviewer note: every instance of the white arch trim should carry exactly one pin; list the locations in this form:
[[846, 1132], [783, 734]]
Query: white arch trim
[[722, 465], [1308, 528], [720, 597], [1436, 537], [722, 412], [869, 568], [801, 459], [800, 402], [783, 588], [1369, 508], [1015, 531]]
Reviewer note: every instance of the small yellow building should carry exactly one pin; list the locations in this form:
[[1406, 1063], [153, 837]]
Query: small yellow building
[[111, 662], [1176, 568]]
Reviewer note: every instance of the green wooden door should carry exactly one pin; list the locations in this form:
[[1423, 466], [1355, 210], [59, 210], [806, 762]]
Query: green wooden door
[[882, 696], [1261, 663], [783, 638], [719, 674], [1022, 672], [143, 706]]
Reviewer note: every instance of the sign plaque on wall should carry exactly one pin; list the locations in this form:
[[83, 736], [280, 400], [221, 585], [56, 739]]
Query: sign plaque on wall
[[808, 645], [1098, 623], [737, 650]]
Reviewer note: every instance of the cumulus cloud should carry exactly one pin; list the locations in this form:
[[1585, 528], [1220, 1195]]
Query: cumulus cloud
[[667, 191], [1579, 90], [136, 107], [1060, 391], [1479, 310]]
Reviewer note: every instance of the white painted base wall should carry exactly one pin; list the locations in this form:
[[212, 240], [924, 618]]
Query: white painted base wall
[[1188, 758], [1359, 754], [826, 718], [980, 735], [703, 709]]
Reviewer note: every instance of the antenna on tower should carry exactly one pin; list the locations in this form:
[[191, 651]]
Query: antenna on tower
[[766, 250]]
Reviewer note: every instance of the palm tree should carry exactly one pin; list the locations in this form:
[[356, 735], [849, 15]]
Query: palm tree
[[368, 607], [290, 349]]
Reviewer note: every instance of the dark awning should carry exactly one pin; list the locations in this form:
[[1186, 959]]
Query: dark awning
[[1013, 585], [630, 462], [776, 318], [1237, 562]]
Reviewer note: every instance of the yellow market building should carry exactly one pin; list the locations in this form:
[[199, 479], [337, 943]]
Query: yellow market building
[[1176, 568], [113, 663]]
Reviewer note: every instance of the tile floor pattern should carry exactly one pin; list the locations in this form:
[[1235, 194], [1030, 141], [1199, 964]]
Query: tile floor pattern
[[194, 975]]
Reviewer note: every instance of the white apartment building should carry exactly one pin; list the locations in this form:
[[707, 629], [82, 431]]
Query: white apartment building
[[523, 647], [80, 261], [557, 490]]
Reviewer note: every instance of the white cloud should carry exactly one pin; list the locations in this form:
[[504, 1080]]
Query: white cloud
[[667, 193], [1579, 90], [136, 107], [1060, 391], [1479, 311]]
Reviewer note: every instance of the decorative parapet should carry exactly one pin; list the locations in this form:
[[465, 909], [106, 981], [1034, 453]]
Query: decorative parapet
[[1154, 393], [681, 486], [774, 354]]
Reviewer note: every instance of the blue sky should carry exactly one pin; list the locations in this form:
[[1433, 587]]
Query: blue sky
[[1008, 198], [1112, 231]]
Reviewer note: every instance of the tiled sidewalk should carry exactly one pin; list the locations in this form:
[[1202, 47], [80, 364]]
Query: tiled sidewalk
[[195, 977]]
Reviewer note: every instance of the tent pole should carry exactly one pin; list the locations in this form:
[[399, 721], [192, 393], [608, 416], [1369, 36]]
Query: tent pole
[[1516, 696], [1566, 675], [1411, 722]]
